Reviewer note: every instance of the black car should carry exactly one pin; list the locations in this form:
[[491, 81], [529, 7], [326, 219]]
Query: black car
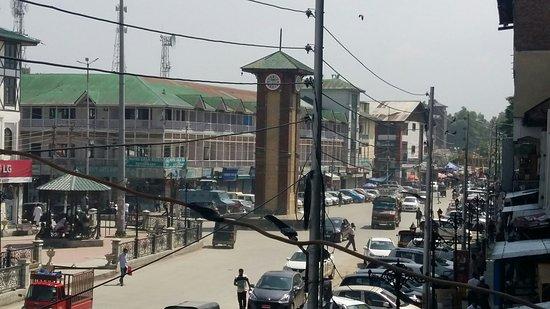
[[337, 229], [278, 289]]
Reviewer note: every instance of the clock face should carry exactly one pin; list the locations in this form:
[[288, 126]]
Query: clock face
[[273, 81], [298, 83]]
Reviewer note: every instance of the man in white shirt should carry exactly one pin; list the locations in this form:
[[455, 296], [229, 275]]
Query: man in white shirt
[[37, 214], [242, 284], [123, 263]]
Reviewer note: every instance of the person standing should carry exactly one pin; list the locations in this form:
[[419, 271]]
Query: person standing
[[351, 237], [123, 263], [483, 302], [243, 285], [439, 214], [418, 217], [339, 199], [37, 214]]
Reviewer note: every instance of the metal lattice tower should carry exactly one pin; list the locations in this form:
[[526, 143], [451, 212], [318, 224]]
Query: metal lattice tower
[[167, 41], [116, 53], [18, 10]]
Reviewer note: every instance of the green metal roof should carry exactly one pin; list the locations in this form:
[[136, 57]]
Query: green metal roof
[[215, 102], [336, 83], [9, 35], [278, 61], [69, 182], [250, 107]]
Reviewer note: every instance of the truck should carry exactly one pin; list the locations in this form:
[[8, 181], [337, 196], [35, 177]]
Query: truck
[[386, 212], [51, 287]]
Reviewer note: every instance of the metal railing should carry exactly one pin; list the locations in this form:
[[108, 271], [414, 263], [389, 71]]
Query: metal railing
[[12, 255], [11, 278]]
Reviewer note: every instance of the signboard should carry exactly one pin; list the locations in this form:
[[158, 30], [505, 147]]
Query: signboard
[[230, 174], [149, 162], [15, 171]]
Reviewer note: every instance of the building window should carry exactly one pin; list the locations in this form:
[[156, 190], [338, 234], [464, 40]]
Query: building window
[[66, 113], [91, 113], [62, 151], [130, 114], [8, 139], [25, 113], [52, 113], [206, 152], [11, 51], [143, 114], [36, 113], [10, 91], [247, 120], [413, 149], [35, 149], [414, 126], [167, 151], [167, 114]]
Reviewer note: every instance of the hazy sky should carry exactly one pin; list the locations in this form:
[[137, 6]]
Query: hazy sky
[[452, 45]]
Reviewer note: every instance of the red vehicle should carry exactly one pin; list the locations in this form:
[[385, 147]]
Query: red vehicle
[[52, 287]]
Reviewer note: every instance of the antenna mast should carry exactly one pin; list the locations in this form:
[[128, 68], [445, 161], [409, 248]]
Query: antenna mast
[[116, 52], [167, 41], [18, 10]]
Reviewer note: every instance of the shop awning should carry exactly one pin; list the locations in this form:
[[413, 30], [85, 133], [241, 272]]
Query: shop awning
[[73, 183], [521, 248], [521, 193], [520, 207]]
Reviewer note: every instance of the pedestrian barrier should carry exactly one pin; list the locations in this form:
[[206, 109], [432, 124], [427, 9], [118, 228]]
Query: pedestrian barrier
[[14, 277]]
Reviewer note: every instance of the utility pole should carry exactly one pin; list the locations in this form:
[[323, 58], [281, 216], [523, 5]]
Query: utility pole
[[428, 207], [465, 186], [121, 171], [495, 154], [314, 251], [87, 62]]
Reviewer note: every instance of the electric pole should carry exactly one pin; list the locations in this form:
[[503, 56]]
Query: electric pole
[[87, 62], [465, 186], [428, 207], [121, 171], [314, 251]]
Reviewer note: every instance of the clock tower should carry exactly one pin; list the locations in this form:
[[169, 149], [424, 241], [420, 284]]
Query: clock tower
[[278, 101]]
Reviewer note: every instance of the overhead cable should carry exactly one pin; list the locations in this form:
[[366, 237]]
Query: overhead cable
[[181, 35]]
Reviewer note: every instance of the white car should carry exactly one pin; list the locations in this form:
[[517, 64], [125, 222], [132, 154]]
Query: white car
[[379, 247], [346, 303], [410, 203], [297, 262], [374, 297], [333, 197]]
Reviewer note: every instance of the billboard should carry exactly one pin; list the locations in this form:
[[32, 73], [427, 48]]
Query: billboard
[[15, 171]]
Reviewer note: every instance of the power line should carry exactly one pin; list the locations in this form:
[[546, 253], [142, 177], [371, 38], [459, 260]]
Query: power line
[[261, 231], [369, 69], [206, 81], [181, 35], [278, 6]]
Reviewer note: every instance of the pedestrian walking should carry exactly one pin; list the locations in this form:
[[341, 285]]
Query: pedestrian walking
[[439, 214], [339, 199], [37, 214], [123, 263], [157, 205], [418, 217], [243, 285], [351, 237]]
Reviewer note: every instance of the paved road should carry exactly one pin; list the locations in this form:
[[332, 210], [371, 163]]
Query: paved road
[[208, 274]]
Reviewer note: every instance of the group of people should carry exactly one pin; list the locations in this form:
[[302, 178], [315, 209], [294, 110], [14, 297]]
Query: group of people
[[477, 300]]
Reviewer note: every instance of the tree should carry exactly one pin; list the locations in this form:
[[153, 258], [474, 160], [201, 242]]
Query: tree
[[479, 133]]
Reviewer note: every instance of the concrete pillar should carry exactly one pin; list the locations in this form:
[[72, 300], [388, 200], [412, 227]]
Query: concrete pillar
[[25, 273], [146, 219], [37, 251], [115, 248], [169, 237]]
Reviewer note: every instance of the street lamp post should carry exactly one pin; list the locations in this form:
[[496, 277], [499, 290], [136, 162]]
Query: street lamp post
[[87, 62]]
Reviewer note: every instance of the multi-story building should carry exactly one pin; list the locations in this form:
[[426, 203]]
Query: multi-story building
[[399, 139], [366, 136], [14, 173], [440, 125], [54, 115]]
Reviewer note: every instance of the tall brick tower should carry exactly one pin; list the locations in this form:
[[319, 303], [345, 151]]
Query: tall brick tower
[[278, 103]]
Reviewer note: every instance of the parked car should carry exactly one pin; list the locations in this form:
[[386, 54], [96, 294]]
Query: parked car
[[297, 263], [374, 297], [375, 278], [278, 289], [377, 246], [375, 192], [442, 249], [443, 267], [368, 196], [410, 203], [333, 198], [346, 199], [337, 229], [346, 303], [357, 198]]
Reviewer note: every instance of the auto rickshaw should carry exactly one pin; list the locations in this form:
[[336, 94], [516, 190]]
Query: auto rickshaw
[[224, 234]]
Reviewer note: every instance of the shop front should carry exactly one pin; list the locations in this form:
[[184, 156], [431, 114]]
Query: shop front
[[14, 174]]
